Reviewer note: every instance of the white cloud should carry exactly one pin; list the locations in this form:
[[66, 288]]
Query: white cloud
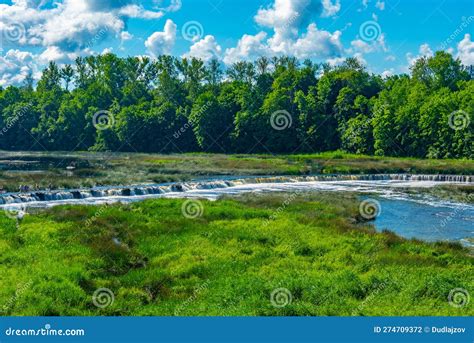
[[388, 73], [287, 19], [125, 35], [162, 42], [317, 44], [423, 51], [205, 49], [380, 42], [54, 53], [335, 61], [314, 43], [168, 5], [360, 58], [107, 51], [380, 5], [466, 50], [15, 66], [287, 14], [76, 27], [71, 24], [249, 47], [330, 9], [30, 3], [135, 11], [127, 8], [361, 46]]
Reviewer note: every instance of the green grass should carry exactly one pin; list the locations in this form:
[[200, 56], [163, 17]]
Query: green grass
[[340, 162], [97, 168], [227, 261]]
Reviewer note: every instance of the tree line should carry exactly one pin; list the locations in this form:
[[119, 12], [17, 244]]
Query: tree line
[[272, 105]]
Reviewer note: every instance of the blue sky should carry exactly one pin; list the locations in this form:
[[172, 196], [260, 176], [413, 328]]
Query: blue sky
[[386, 35]]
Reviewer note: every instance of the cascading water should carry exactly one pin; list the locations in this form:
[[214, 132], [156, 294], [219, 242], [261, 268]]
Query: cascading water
[[183, 187], [410, 214]]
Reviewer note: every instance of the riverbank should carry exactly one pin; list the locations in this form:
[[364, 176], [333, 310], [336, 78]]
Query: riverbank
[[60, 170], [277, 254], [458, 193]]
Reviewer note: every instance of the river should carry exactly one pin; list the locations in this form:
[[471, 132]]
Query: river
[[409, 214]]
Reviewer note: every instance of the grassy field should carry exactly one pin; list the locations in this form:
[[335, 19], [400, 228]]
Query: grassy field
[[283, 254], [48, 169]]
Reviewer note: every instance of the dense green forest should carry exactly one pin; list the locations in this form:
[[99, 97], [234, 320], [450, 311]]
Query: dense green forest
[[277, 105]]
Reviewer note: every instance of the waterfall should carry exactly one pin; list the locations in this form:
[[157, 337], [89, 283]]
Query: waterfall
[[141, 190]]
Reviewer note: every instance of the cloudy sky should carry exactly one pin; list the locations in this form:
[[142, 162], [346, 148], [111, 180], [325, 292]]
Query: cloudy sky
[[386, 35]]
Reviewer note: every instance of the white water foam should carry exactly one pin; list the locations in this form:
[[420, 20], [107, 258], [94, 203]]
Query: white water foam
[[387, 186]]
